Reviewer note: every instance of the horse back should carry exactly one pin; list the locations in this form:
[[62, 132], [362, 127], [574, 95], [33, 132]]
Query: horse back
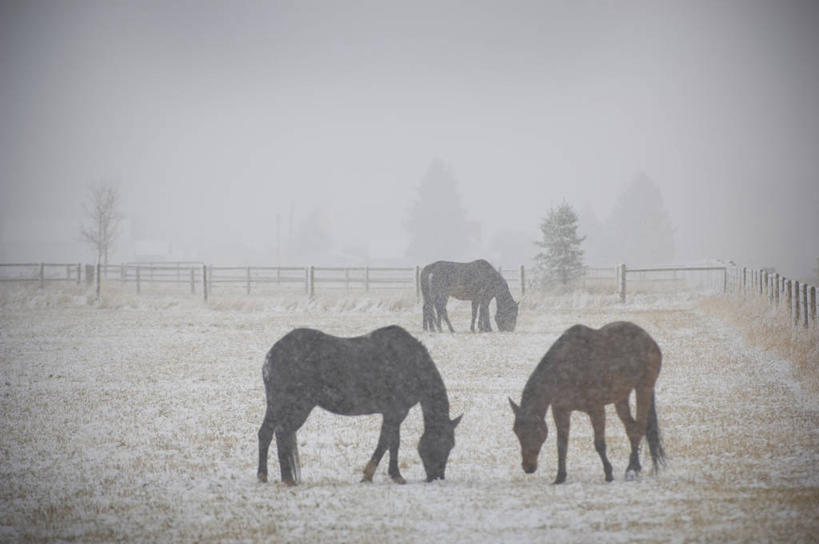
[[464, 281], [352, 376], [588, 366]]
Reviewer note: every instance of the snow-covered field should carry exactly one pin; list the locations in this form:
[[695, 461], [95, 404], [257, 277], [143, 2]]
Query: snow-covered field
[[137, 421]]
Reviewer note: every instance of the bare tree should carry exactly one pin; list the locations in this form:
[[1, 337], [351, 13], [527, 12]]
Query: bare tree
[[102, 219]]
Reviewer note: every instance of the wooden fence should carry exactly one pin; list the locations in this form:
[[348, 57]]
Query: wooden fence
[[673, 275], [41, 273], [197, 277], [798, 298]]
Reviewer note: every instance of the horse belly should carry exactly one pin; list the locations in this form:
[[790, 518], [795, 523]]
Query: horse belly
[[344, 407], [461, 293]]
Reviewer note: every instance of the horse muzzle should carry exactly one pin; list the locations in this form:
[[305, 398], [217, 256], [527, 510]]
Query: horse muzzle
[[529, 468]]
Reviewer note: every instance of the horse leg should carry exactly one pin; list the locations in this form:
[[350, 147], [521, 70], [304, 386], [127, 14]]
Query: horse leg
[[474, 314], [442, 313], [634, 436], [265, 436], [562, 422], [288, 447], [598, 421], [440, 308], [487, 322], [383, 438], [394, 438]]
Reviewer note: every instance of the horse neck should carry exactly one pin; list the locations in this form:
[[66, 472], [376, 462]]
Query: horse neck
[[537, 395], [503, 295], [434, 401]]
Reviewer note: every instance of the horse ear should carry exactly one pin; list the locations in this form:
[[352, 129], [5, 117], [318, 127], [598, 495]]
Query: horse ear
[[455, 421], [514, 406]]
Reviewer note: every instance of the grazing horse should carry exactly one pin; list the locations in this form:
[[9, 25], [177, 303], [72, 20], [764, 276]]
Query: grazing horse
[[477, 281], [387, 372], [585, 369]]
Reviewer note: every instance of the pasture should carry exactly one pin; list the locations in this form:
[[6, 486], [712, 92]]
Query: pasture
[[136, 420]]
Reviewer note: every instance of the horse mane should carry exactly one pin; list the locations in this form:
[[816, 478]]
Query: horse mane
[[434, 401]]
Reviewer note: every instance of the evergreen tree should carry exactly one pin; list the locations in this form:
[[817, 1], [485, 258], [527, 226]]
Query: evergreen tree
[[562, 259], [639, 229], [437, 223]]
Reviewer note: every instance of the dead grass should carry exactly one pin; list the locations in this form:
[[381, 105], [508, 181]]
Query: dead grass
[[770, 328]]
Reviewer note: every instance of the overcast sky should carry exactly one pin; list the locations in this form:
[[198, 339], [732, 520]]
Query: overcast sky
[[214, 117]]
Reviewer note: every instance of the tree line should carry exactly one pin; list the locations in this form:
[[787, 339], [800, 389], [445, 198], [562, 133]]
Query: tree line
[[638, 228]]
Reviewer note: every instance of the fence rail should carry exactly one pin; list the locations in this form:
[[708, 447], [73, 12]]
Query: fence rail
[[207, 279], [41, 272]]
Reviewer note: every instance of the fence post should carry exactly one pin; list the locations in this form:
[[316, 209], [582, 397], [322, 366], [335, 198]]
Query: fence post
[[796, 303], [367, 278], [805, 305], [776, 289], [312, 281], [193, 284], [79, 273], [622, 286], [98, 279], [417, 283], [813, 304], [42, 274], [788, 297], [522, 281], [725, 280], [306, 280], [205, 282], [138, 279]]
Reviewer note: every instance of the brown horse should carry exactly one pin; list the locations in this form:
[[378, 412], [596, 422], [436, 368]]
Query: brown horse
[[586, 369]]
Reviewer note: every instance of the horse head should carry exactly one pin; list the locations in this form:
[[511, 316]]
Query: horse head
[[507, 318], [532, 433], [434, 447]]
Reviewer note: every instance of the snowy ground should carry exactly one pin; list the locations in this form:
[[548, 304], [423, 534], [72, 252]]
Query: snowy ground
[[137, 421]]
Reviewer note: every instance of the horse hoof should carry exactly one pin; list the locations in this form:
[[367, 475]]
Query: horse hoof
[[399, 480], [262, 477], [289, 483], [366, 480], [631, 475]]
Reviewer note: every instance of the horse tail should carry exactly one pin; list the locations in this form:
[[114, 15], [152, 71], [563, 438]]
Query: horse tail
[[428, 310], [295, 462], [655, 444]]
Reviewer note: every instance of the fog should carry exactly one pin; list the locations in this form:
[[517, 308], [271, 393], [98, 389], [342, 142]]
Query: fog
[[235, 131]]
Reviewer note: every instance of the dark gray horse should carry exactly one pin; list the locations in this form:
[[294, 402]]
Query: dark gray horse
[[586, 369], [477, 281], [385, 372]]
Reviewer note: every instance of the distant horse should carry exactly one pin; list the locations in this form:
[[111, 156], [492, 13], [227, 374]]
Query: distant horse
[[477, 281], [387, 372], [585, 369]]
